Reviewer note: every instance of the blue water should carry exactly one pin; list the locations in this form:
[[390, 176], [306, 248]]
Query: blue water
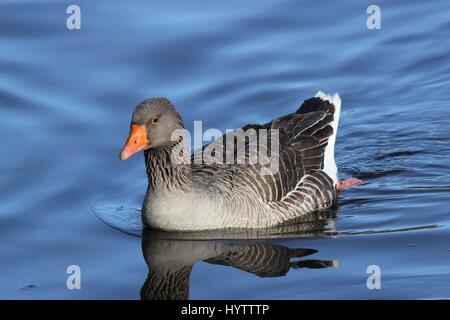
[[65, 103]]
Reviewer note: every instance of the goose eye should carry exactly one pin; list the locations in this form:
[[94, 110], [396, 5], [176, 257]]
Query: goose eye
[[155, 120]]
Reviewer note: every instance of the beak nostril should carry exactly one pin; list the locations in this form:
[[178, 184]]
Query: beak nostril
[[135, 141]]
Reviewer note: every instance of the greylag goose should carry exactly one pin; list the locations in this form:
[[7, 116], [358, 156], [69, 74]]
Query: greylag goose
[[188, 195]]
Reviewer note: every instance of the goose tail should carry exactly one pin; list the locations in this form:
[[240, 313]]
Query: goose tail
[[329, 165]]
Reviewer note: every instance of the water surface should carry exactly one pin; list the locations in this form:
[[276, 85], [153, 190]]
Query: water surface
[[65, 104]]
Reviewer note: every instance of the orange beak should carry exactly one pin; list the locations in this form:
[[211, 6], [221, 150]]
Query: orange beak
[[137, 140]]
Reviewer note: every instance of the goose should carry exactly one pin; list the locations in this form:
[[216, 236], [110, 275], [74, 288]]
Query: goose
[[188, 195]]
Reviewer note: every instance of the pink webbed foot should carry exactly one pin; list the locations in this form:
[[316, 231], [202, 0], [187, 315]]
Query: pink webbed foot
[[347, 183]]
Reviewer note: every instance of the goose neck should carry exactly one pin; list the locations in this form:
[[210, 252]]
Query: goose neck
[[168, 167]]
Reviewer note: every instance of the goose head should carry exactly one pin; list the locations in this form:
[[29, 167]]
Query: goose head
[[152, 124]]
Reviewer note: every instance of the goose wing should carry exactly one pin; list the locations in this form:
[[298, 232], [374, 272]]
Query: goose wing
[[303, 139]]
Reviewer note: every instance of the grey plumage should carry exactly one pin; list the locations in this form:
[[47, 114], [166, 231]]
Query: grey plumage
[[218, 196]]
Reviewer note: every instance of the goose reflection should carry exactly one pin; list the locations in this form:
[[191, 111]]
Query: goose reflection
[[171, 256]]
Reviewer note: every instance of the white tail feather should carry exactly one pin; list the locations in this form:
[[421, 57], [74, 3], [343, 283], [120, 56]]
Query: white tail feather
[[329, 165]]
